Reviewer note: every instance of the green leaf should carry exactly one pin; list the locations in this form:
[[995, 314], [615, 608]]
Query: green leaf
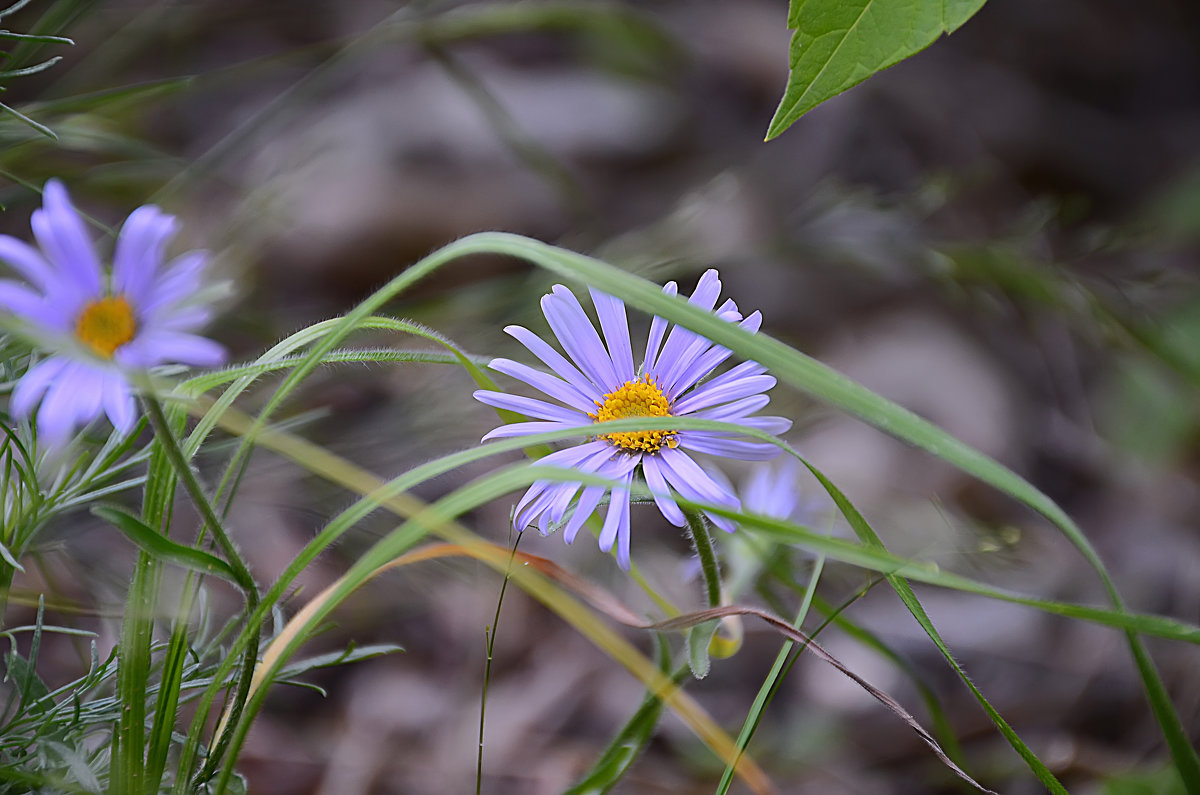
[[955, 13], [56, 19], [161, 547], [110, 102], [837, 44]]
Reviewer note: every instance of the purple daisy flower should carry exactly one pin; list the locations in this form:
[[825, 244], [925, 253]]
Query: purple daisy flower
[[100, 326], [598, 382]]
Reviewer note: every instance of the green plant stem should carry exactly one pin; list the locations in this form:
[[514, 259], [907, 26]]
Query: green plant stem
[[708, 557], [700, 637], [245, 579], [203, 504]]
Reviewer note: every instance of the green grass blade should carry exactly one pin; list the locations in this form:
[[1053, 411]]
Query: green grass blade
[[133, 678], [166, 707], [30, 70], [886, 563], [203, 383], [128, 768]]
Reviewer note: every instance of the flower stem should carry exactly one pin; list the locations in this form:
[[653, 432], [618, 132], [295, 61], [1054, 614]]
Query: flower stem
[[245, 579], [698, 529], [203, 504], [700, 637]]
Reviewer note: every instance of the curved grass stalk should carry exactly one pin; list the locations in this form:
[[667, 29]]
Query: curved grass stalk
[[790, 365]]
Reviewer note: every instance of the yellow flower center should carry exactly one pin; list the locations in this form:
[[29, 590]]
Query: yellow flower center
[[106, 324], [637, 398]]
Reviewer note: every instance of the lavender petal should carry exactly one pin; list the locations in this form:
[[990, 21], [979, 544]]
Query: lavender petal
[[523, 429], [27, 261], [588, 501], [706, 395], [661, 491], [615, 325], [61, 234], [141, 246], [19, 299], [174, 346], [531, 407], [555, 361], [552, 386], [180, 281], [578, 337], [118, 402], [658, 327], [699, 366], [687, 478], [33, 385], [740, 449]]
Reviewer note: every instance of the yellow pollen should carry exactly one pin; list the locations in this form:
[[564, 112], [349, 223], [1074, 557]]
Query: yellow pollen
[[106, 324], [638, 398]]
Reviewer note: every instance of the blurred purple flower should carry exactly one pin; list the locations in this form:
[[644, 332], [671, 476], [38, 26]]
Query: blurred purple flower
[[598, 383], [773, 489], [98, 326]]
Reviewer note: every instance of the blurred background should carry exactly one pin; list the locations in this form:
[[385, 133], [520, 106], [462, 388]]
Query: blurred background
[[1000, 234]]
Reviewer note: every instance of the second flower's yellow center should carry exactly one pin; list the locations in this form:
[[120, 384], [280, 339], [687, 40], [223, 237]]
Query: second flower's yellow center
[[106, 324], [637, 398]]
